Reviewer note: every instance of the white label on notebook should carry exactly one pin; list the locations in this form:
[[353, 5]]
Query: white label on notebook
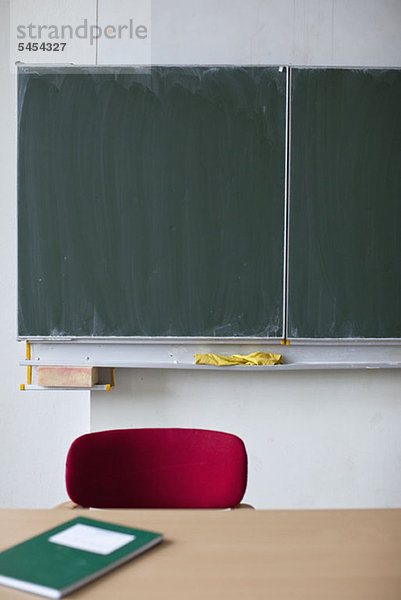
[[91, 539]]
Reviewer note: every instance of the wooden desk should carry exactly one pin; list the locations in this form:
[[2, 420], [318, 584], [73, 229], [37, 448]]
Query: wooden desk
[[243, 554]]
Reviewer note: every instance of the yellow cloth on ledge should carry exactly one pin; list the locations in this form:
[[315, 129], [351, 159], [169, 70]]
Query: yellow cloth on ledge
[[256, 358]]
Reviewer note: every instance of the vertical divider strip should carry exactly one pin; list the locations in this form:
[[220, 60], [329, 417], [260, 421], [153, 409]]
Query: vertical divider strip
[[287, 181]]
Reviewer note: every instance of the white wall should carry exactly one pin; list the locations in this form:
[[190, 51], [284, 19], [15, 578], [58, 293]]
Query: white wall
[[314, 439], [319, 32]]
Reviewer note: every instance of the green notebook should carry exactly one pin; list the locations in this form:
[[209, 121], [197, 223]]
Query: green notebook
[[67, 557]]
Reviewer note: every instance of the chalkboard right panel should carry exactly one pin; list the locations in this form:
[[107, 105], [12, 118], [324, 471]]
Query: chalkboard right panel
[[345, 212]]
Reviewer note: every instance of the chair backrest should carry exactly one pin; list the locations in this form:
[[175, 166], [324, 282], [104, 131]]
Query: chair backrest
[[157, 468]]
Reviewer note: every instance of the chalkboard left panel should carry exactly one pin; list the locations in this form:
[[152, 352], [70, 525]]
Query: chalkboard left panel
[[151, 204]]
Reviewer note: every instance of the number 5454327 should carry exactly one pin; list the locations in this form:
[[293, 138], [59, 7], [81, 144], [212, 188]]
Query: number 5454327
[[43, 47]]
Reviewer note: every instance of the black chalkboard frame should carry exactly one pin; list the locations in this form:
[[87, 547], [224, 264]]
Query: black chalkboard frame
[[286, 326]]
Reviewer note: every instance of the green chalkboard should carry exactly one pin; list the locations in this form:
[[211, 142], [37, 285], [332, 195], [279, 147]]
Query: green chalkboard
[[345, 211], [150, 203]]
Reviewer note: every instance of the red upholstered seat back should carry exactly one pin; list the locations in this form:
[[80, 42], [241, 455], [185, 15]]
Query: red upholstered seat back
[[157, 468]]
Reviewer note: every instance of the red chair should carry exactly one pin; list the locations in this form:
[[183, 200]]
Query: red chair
[[157, 468]]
